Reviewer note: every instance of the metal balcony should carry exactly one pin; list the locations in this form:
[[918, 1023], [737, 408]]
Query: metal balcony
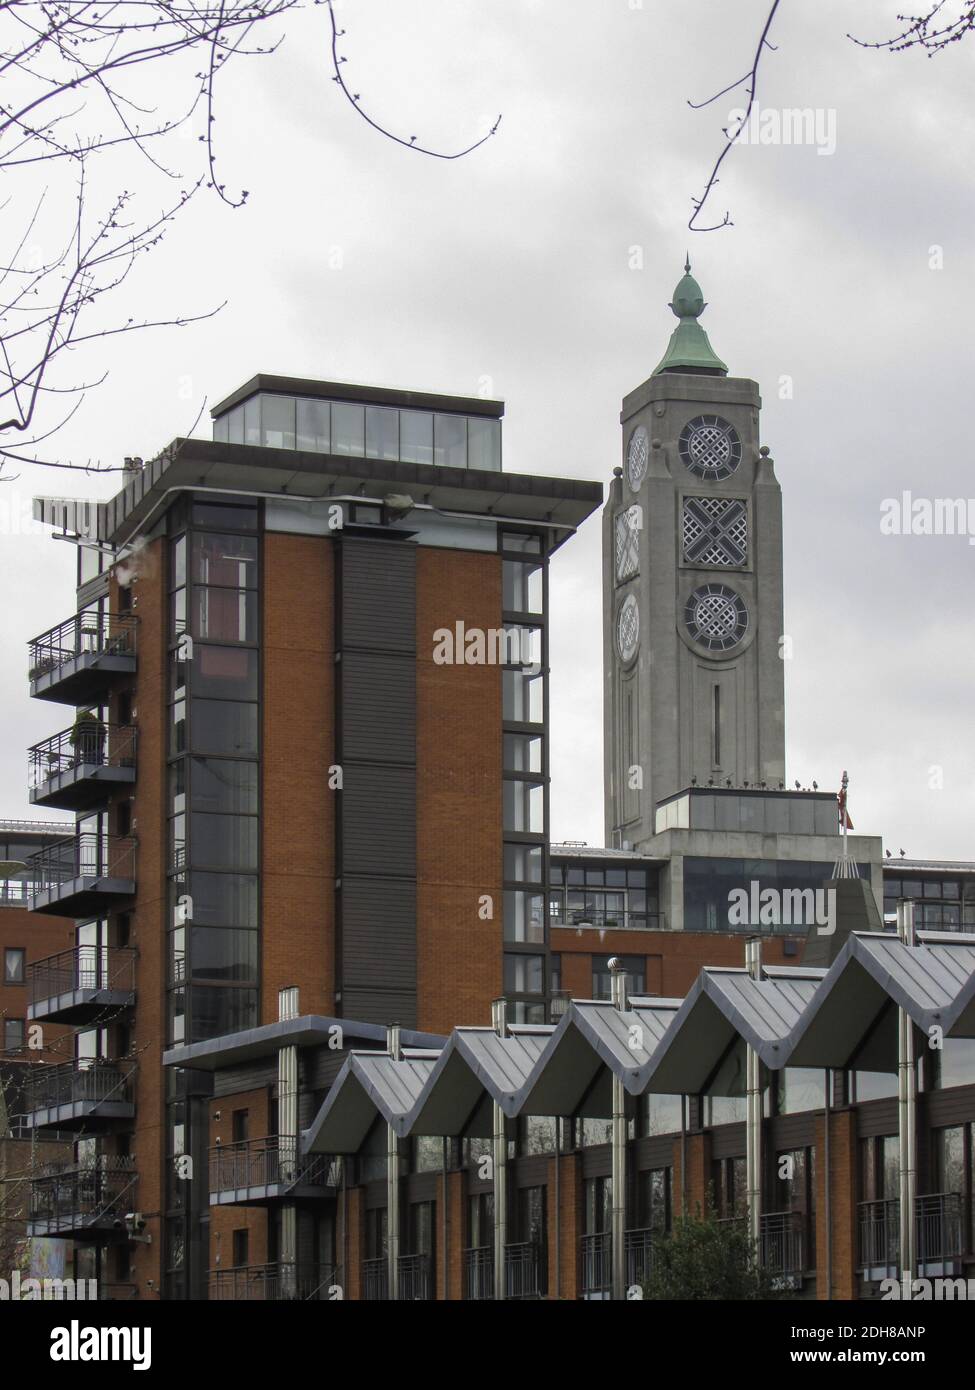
[[638, 1246], [938, 1233], [523, 1271], [86, 874], [76, 769], [76, 662], [79, 986], [597, 1265], [72, 1095], [273, 1283], [782, 1247], [257, 1171], [87, 1202], [415, 1279]]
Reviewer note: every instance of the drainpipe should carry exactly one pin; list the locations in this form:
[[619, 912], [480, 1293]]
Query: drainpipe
[[558, 1207], [444, 1221], [288, 1146], [828, 1195], [753, 1114], [907, 1115], [618, 994], [392, 1182], [499, 1021]]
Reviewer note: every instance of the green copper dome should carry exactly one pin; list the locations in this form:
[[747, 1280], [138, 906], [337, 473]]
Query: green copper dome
[[689, 350]]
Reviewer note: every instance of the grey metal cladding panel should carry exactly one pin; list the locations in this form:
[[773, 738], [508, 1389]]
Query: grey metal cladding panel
[[231, 1080], [378, 595], [378, 707], [378, 938], [378, 810], [381, 1006]]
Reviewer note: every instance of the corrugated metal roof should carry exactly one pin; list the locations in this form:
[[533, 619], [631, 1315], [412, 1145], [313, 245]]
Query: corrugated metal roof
[[369, 1085], [476, 1067], [723, 1005], [934, 982], [592, 1035]]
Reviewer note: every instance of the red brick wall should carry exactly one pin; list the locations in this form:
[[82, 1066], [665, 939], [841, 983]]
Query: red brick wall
[[458, 750], [843, 1193], [298, 809], [224, 1220], [40, 936]]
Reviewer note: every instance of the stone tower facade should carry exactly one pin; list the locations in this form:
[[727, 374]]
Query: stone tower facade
[[692, 587]]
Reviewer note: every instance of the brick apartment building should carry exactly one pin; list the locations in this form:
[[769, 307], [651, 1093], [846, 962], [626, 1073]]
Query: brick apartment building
[[311, 851]]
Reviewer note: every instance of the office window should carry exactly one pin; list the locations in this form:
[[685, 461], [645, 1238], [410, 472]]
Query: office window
[[314, 426], [382, 433], [655, 1200], [416, 436], [348, 429], [523, 863], [14, 964], [524, 807], [239, 1125], [522, 753], [521, 587], [524, 974], [277, 422], [523, 697], [13, 1035], [524, 916], [450, 441], [252, 420], [240, 1247], [484, 444]]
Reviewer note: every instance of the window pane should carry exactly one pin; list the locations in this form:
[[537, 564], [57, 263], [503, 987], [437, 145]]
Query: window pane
[[523, 863], [415, 436], [222, 726], [235, 425], [179, 562], [521, 587], [221, 431], [220, 784], [313, 426], [223, 671], [225, 516], [450, 441], [524, 917], [347, 429], [220, 954], [13, 965], [227, 560], [223, 900], [278, 422], [224, 615], [524, 807], [524, 974], [382, 433], [215, 1010], [252, 420], [223, 842], [522, 753], [522, 697], [484, 444]]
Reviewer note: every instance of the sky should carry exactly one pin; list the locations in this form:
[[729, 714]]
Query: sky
[[539, 268]]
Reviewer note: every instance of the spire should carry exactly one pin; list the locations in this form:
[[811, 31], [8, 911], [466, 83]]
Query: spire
[[689, 350]]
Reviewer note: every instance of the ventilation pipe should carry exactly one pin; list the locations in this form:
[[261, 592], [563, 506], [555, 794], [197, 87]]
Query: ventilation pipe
[[907, 1115], [499, 1146], [753, 1112], [618, 1227]]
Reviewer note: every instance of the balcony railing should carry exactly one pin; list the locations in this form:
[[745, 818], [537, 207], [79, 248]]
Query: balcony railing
[[16, 892], [597, 1265], [415, 1279], [938, 1234], [272, 1283], [639, 1255], [522, 1264], [77, 767], [252, 1166], [73, 661], [782, 1245], [72, 1091], [83, 982], [86, 1198], [578, 917], [80, 872]]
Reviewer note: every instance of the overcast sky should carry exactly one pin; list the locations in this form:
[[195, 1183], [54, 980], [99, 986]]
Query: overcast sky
[[359, 260]]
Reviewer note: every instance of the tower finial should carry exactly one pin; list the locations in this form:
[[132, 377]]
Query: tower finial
[[689, 349], [687, 262]]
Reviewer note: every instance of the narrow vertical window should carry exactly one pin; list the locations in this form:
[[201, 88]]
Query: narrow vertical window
[[716, 726]]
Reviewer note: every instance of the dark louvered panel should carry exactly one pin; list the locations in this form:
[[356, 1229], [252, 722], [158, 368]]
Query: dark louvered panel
[[378, 611], [378, 821], [379, 933], [378, 707], [381, 1006]]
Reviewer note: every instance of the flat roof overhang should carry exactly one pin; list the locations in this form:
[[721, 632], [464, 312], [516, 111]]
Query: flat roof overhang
[[560, 503], [309, 1030]]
